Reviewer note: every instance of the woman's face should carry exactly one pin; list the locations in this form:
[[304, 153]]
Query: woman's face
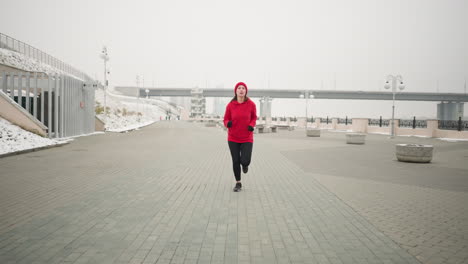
[[240, 90]]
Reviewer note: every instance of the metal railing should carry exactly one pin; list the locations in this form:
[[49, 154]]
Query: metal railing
[[284, 119], [413, 123], [325, 120], [65, 105], [379, 122], [345, 121], [9, 43], [459, 124]]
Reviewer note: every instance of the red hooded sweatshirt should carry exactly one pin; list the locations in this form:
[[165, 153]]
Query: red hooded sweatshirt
[[242, 116]]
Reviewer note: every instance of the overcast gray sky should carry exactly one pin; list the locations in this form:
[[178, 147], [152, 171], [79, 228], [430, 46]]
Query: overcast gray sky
[[343, 45]]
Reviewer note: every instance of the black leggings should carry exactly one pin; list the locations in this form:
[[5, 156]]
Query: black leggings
[[241, 153]]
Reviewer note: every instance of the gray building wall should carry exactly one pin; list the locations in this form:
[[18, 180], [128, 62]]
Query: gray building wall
[[450, 111]]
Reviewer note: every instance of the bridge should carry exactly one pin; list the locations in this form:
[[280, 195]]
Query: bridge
[[450, 107], [318, 94]]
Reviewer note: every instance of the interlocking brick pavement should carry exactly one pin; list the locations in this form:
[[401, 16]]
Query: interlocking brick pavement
[[163, 194], [422, 207]]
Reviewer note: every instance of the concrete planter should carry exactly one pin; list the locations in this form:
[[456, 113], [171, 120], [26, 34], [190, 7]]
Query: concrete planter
[[355, 138], [313, 132], [414, 153]]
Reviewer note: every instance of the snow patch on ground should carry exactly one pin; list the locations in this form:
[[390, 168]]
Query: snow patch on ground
[[342, 131], [22, 62], [14, 138], [124, 113], [420, 136], [380, 133], [452, 139], [129, 113]]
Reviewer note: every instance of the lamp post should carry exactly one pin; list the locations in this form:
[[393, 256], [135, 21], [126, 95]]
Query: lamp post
[[105, 58], [392, 82], [306, 95], [265, 108]]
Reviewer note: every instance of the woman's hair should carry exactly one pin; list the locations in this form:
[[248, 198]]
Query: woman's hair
[[235, 98]]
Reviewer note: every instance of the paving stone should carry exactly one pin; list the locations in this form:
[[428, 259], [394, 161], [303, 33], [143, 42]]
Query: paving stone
[[163, 194]]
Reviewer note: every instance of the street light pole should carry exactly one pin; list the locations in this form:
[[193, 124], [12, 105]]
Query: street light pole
[[105, 57], [306, 96], [401, 86]]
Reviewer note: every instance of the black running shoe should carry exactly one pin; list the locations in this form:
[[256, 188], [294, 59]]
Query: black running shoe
[[238, 187], [245, 169]]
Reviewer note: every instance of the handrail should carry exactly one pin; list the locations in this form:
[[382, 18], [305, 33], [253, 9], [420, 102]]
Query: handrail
[[9, 43]]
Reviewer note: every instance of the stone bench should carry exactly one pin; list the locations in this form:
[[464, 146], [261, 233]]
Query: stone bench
[[288, 127], [261, 129], [313, 132], [414, 153], [265, 129], [355, 138]]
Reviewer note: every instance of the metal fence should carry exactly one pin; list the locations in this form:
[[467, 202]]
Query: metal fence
[[63, 104], [325, 120], [292, 119], [379, 122], [459, 125], [345, 121], [9, 43], [413, 123]]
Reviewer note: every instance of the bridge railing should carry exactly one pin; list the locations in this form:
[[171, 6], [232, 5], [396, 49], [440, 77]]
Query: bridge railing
[[9, 43]]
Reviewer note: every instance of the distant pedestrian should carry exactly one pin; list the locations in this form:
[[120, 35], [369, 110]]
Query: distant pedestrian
[[240, 118]]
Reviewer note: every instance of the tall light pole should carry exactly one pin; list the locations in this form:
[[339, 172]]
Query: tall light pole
[[306, 95], [105, 58], [392, 82]]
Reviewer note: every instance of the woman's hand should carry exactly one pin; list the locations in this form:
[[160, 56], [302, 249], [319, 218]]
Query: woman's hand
[[229, 124], [250, 128]]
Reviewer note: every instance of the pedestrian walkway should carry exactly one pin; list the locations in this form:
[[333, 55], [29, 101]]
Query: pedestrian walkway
[[163, 194]]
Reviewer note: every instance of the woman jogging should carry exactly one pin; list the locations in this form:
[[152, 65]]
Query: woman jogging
[[240, 118]]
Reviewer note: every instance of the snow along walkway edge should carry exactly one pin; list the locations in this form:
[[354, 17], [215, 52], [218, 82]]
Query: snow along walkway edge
[[32, 149]]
